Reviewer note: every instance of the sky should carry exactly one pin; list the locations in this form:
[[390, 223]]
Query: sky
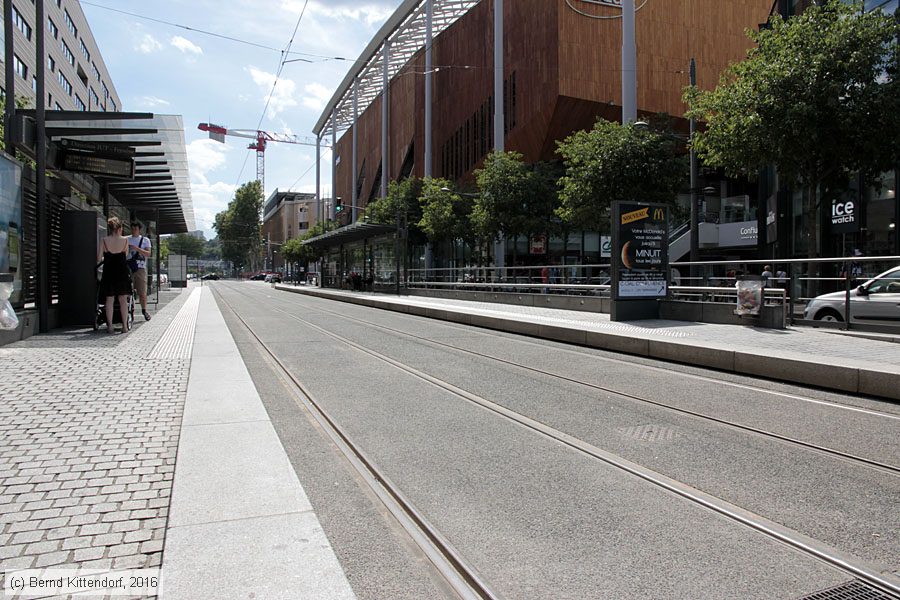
[[168, 70]]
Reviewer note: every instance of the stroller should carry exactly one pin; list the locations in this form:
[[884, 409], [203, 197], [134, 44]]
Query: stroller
[[100, 316]]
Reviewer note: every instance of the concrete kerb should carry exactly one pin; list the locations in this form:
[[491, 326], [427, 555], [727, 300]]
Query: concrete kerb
[[779, 368]]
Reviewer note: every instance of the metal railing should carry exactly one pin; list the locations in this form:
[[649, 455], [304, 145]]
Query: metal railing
[[797, 284]]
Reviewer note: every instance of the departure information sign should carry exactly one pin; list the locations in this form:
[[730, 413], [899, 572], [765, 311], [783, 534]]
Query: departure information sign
[[100, 166], [640, 257]]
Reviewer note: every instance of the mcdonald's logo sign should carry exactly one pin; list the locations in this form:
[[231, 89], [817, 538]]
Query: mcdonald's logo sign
[[659, 214]]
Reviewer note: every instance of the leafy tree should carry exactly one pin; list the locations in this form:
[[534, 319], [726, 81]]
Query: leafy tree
[[445, 213], [616, 162], [212, 250], [818, 97], [504, 189], [239, 227], [184, 243], [403, 195]]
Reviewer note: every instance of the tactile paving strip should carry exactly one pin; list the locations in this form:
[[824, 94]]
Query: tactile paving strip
[[178, 340]]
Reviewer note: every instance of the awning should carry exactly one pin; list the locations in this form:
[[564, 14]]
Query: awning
[[161, 184], [351, 233]]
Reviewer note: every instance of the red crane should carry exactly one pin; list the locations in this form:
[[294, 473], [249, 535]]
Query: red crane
[[218, 133]]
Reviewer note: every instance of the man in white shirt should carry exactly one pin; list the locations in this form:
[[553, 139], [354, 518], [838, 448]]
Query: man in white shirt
[[139, 250]]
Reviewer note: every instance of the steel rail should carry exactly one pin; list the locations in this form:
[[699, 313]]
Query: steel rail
[[518, 340], [870, 574], [462, 578], [852, 458]]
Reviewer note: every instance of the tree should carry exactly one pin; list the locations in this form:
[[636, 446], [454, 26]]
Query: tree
[[504, 190], [817, 97], [239, 227], [616, 162], [445, 213], [184, 243], [403, 196]]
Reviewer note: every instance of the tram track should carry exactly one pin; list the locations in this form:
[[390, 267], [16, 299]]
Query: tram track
[[809, 446], [880, 580], [459, 575]]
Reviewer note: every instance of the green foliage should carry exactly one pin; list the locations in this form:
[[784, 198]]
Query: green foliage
[[212, 250], [817, 97], [445, 213], [504, 185], [239, 227], [403, 196], [615, 162], [294, 251], [183, 243]]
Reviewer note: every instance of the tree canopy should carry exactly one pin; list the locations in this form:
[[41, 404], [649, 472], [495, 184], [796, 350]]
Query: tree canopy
[[239, 226], [817, 97], [182, 243], [505, 187], [445, 213], [616, 162]]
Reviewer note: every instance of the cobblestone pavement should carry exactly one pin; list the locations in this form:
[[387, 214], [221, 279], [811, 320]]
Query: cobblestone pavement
[[803, 341], [87, 446]]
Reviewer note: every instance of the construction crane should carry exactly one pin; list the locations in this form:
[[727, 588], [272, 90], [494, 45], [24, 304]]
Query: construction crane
[[218, 133]]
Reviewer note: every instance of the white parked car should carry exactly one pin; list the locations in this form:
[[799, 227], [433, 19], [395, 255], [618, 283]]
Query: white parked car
[[876, 300]]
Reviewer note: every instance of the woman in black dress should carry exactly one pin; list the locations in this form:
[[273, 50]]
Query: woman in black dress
[[116, 279]]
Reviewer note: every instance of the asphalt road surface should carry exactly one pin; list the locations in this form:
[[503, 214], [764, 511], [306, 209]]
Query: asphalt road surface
[[563, 472]]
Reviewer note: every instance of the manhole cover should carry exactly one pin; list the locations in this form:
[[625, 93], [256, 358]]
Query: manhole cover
[[852, 590], [649, 433]]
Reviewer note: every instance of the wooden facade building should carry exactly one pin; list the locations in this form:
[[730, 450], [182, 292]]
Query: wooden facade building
[[562, 72]]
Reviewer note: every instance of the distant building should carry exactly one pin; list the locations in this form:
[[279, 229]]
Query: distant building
[[198, 234], [286, 215], [77, 78]]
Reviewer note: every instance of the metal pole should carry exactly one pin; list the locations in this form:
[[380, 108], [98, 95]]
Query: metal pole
[[385, 119], [429, 87], [695, 197], [8, 53], [354, 200], [333, 164], [319, 177], [43, 220], [499, 96], [499, 105], [629, 64]]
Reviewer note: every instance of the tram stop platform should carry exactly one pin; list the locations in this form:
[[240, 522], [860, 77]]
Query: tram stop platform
[[92, 426], [867, 365]]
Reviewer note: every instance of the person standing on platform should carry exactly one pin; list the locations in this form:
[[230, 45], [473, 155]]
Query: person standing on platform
[[139, 251], [115, 282]]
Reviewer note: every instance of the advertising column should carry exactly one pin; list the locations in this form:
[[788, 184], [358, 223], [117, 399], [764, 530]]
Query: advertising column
[[640, 260]]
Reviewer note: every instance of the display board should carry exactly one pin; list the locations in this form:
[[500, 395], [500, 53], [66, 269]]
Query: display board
[[11, 223], [640, 256]]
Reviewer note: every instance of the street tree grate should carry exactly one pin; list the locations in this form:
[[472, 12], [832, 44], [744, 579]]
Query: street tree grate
[[851, 590]]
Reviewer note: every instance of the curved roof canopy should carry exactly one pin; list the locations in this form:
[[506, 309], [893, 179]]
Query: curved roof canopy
[[406, 30]]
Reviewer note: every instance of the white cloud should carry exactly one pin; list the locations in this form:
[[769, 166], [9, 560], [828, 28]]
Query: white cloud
[[284, 95], [209, 199], [151, 101], [316, 96], [205, 156], [185, 45], [370, 13], [148, 44]]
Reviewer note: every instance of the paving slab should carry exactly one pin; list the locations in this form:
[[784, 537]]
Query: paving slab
[[798, 355], [240, 524]]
